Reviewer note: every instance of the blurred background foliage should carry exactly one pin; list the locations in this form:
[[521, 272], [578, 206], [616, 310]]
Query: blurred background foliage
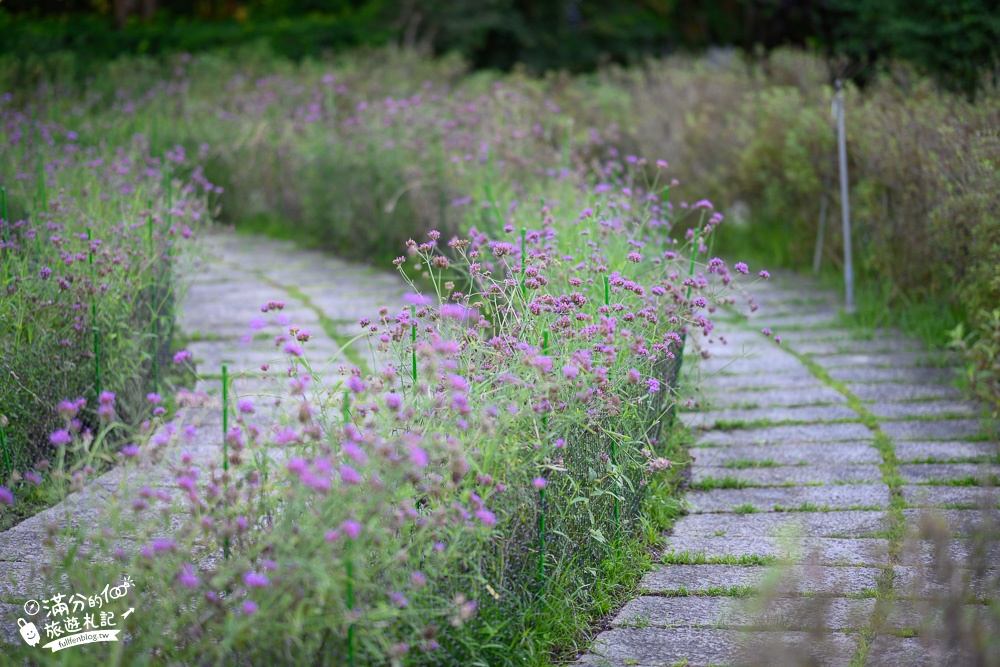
[[955, 41]]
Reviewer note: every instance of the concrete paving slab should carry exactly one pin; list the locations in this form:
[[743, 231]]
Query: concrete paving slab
[[780, 435], [771, 499], [826, 453], [847, 523], [812, 550], [786, 475]]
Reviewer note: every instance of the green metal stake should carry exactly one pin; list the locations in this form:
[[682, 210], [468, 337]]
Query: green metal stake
[[225, 432], [545, 351], [155, 313], [614, 447], [350, 608], [93, 319], [3, 203], [6, 452], [413, 341], [524, 256], [541, 536]]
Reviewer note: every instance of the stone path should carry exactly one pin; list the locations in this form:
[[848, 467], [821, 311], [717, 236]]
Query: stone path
[[825, 448], [812, 464], [236, 275]]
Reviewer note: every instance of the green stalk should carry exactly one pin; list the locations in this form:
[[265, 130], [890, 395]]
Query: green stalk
[[350, 609], [3, 214], [152, 306], [225, 431], [442, 195], [413, 341], [541, 536], [524, 258], [607, 291], [6, 452], [93, 320], [545, 351]]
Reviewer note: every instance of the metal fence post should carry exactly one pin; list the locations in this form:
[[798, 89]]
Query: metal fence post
[[845, 206]]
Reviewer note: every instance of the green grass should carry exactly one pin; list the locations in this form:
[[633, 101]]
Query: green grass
[[711, 591], [727, 482], [743, 464], [745, 508], [700, 558]]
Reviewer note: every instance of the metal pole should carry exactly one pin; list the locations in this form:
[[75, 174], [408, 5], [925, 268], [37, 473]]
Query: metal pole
[[818, 254], [845, 206]]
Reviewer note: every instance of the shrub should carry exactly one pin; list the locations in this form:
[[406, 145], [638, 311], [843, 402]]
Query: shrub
[[450, 505], [88, 292]]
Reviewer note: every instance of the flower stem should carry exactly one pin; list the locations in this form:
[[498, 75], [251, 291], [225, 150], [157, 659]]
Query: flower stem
[[225, 431], [413, 341]]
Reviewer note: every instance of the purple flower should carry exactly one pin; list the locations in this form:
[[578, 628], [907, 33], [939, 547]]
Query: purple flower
[[570, 372], [393, 401], [416, 299], [351, 528], [44, 273], [455, 311], [764, 274], [106, 398], [766, 331], [186, 577], [6, 497], [61, 438], [487, 517], [154, 398], [539, 483], [355, 384], [246, 406], [332, 535], [418, 456], [250, 608], [355, 453], [130, 451], [258, 323], [634, 257], [418, 579], [349, 474], [398, 599], [777, 339], [654, 385], [163, 545], [741, 267], [182, 356], [255, 580], [293, 349]]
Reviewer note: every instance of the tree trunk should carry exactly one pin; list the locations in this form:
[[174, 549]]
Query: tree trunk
[[122, 9]]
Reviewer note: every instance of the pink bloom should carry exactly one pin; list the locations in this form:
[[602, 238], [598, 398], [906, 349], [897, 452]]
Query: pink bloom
[[254, 580], [349, 474], [61, 438], [351, 528], [539, 483]]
